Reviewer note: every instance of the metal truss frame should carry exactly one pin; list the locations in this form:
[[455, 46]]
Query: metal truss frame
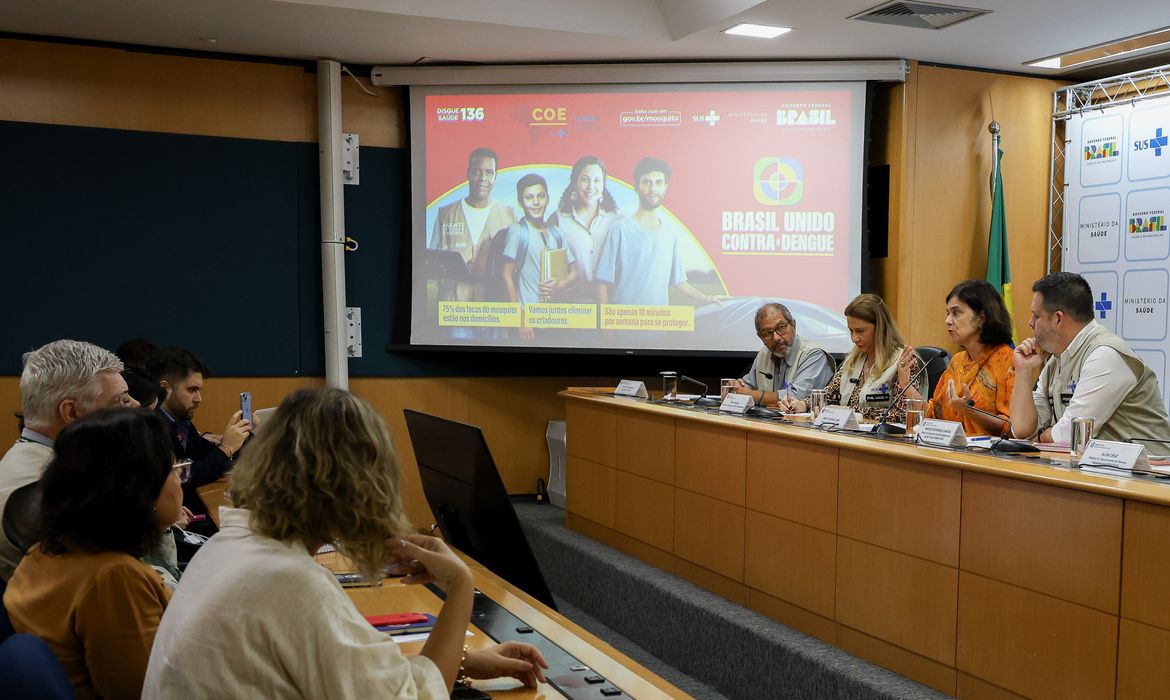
[[1126, 89]]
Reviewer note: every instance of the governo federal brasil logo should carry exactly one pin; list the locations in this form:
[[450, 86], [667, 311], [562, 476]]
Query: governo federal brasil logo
[[778, 181]]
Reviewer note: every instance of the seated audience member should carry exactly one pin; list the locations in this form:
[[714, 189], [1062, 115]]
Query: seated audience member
[[143, 389], [138, 354], [879, 366], [788, 367], [255, 610], [977, 321], [107, 494], [60, 382], [1080, 369], [181, 375]]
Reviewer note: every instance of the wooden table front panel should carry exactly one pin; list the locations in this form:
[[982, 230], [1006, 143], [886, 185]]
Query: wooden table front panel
[[1033, 644], [792, 481], [976, 576], [1063, 543], [902, 506], [711, 461], [903, 599]]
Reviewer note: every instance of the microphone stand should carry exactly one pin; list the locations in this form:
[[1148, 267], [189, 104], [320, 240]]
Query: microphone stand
[[883, 427], [703, 399], [1004, 445]]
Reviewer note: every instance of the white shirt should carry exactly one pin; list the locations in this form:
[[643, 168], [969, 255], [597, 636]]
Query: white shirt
[[586, 242], [1104, 382], [256, 617], [476, 219]]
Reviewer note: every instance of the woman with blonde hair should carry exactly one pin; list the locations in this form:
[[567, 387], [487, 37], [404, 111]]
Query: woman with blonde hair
[[879, 366], [256, 613]]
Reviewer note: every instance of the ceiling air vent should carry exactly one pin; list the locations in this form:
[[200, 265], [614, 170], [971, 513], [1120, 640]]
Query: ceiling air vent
[[921, 15]]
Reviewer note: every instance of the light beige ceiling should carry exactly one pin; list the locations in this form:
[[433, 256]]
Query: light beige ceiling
[[402, 32]]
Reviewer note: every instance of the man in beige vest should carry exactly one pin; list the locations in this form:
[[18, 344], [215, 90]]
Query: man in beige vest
[[468, 226], [788, 367], [1080, 370]]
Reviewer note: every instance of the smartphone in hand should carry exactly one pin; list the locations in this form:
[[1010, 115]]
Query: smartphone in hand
[[246, 405]]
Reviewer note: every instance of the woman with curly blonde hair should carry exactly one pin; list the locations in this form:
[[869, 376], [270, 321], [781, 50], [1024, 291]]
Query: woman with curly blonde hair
[[254, 611]]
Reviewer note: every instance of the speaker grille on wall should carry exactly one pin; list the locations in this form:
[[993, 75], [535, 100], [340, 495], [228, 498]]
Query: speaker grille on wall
[[920, 15]]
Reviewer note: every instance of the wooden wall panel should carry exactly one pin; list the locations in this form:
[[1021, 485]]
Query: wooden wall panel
[[1064, 543], [9, 404], [114, 88], [1033, 644], [645, 446], [945, 191], [792, 562], [710, 533], [710, 461], [904, 600], [794, 482], [1145, 577], [908, 508]]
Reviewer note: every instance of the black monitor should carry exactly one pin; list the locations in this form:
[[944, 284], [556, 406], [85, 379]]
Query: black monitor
[[468, 500]]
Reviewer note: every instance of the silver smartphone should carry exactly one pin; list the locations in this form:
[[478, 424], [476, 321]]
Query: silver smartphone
[[246, 405]]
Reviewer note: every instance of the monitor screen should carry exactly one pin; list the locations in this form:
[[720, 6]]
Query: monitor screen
[[468, 500], [641, 217]]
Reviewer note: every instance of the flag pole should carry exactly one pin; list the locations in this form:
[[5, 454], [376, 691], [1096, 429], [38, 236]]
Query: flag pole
[[993, 128]]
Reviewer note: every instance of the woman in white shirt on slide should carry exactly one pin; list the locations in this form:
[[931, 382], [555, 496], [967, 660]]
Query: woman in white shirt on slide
[[584, 215], [257, 616]]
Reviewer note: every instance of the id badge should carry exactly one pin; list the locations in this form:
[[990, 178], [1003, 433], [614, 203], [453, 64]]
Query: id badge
[[877, 398]]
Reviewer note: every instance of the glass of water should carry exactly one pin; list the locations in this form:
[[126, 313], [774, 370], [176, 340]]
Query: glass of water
[[817, 398], [915, 412], [669, 386]]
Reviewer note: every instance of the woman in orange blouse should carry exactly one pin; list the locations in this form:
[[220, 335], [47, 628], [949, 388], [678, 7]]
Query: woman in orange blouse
[[978, 321]]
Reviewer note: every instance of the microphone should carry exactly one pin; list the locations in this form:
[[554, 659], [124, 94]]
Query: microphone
[[703, 399], [1005, 445], [885, 428]]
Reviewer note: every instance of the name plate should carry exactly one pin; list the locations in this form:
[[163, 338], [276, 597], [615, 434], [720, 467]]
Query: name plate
[[840, 417], [942, 433], [1122, 455], [736, 403], [631, 388]]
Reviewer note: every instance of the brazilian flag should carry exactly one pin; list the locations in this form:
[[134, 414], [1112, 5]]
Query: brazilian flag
[[999, 269]]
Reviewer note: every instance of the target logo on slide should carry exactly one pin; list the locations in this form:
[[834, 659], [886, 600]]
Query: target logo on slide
[[778, 181]]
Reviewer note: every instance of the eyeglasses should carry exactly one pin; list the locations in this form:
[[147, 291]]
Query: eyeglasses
[[779, 329]]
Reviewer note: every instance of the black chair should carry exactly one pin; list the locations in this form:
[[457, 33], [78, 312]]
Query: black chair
[[22, 517], [6, 630], [934, 368]]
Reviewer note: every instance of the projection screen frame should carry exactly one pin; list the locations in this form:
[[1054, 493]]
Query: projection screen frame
[[885, 70]]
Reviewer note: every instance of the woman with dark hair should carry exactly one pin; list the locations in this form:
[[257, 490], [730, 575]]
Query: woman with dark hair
[[109, 491], [585, 214], [982, 375], [255, 611]]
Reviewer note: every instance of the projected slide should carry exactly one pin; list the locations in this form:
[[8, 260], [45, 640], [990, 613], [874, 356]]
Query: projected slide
[[656, 217]]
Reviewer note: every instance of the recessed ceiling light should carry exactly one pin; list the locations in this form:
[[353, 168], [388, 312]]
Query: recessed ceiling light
[[759, 31]]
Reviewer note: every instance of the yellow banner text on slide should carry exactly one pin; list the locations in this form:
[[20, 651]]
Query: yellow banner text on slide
[[561, 315], [631, 317], [484, 314]]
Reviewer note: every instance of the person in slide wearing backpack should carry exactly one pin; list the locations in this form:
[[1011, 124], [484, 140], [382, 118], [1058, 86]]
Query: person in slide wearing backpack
[[526, 242]]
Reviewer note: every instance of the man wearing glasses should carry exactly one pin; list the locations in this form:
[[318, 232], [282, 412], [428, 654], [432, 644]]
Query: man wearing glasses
[[788, 367]]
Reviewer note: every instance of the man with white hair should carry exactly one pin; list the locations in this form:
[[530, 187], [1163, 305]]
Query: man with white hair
[[61, 382]]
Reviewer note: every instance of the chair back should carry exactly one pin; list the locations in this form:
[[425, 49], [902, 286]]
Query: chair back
[[22, 517], [934, 368], [30, 671]]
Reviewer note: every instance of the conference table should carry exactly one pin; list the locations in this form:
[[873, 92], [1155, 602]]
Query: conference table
[[975, 574], [618, 670]]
